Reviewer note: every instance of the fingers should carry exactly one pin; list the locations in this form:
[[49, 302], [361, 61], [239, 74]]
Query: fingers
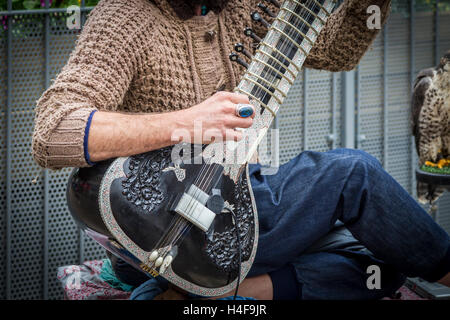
[[232, 100], [233, 97], [237, 122], [230, 108], [219, 118], [231, 120], [254, 112]]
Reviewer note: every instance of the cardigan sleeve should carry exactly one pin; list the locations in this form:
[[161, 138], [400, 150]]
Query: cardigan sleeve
[[345, 37], [96, 76]]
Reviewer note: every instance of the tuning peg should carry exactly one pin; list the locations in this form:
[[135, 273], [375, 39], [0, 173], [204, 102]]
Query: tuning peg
[[250, 33], [266, 10], [239, 47], [235, 58], [256, 16], [275, 3]]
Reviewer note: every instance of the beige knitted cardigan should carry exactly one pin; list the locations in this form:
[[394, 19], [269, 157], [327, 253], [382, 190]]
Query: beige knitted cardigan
[[152, 56]]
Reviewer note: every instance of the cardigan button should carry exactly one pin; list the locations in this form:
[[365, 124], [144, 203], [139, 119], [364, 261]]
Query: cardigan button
[[209, 35]]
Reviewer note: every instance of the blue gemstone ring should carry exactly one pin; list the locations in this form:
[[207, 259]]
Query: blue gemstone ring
[[244, 110]]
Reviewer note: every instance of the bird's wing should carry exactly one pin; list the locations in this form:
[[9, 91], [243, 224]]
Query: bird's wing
[[429, 72], [421, 84]]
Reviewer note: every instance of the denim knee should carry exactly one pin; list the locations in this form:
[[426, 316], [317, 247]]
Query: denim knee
[[356, 165], [356, 155]]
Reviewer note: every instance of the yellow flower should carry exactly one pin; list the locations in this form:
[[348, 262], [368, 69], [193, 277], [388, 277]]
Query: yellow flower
[[442, 163], [430, 164]]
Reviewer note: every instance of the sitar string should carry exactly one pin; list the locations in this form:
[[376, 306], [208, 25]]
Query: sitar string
[[179, 229], [286, 44], [291, 32]]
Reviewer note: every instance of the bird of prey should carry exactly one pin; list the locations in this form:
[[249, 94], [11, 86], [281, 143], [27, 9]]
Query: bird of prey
[[430, 111]]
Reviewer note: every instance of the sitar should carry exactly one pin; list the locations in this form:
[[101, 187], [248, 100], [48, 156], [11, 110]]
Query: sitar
[[187, 212]]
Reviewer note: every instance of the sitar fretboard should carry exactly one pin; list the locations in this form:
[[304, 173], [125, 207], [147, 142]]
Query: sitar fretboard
[[281, 54], [276, 64]]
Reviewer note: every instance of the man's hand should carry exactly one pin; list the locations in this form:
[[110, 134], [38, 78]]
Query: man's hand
[[213, 119], [115, 134]]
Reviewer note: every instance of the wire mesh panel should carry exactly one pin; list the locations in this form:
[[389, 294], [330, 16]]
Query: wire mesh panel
[[398, 128], [92, 250], [444, 30], [291, 122], [319, 117], [63, 234], [319, 112], [424, 39], [370, 100], [32, 256], [27, 197], [443, 214], [336, 110], [2, 164]]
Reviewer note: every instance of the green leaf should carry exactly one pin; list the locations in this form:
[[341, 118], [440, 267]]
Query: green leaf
[[31, 4], [444, 170]]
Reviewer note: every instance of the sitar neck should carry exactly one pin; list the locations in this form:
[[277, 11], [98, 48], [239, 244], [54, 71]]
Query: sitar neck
[[281, 54], [278, 60]]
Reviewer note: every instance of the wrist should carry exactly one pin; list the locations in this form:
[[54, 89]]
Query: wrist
[[175, 126], [185, 124]]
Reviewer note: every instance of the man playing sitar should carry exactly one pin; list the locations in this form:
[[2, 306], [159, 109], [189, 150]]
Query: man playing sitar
[[145, 69]]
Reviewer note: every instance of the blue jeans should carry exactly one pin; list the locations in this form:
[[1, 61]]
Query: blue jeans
[[329, 215], [332, 214]]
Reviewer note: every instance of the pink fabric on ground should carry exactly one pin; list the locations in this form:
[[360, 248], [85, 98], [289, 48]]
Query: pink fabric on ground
[[82, 282]]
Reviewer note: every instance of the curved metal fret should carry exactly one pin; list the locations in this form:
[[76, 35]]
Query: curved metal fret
[[301, 19], [283, 55], [290, 39], [321, 7], [278, 61], [268, 82], [259, 101], [310, 11], [272, 68], [256, 83], [296, 29]]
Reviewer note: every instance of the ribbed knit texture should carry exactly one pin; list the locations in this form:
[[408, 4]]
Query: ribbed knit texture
[[154, 56]]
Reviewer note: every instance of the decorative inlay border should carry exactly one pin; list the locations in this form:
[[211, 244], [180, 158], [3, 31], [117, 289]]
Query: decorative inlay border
[[115, 171]]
